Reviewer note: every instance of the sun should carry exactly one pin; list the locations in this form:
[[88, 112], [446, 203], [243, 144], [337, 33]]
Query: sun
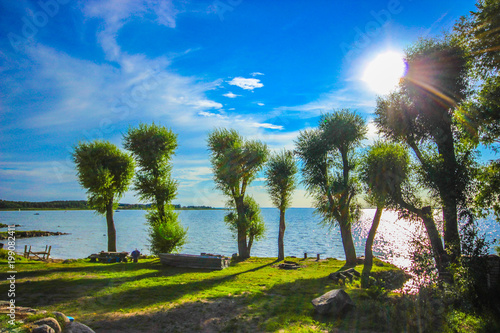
[[383, 73]]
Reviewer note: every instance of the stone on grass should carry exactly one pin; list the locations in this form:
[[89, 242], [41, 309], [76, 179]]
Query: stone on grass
[[61, 317], [49, 322], [334, 302], [43, 329], [76, 327]]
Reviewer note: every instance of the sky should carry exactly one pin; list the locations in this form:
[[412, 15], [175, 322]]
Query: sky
[[74, 71]]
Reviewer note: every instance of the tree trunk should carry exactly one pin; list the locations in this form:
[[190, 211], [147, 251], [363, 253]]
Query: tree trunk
[[365, 276], [435, 239], [451, 235], [450, 190], [281, 235], [371, 236], [243, 251], [349, 250], [111, 227]]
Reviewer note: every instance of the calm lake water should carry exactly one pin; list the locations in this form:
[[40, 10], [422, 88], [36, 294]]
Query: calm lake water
[[208, 233]]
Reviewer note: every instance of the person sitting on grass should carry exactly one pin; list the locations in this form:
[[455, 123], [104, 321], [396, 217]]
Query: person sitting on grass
[[135, 255]]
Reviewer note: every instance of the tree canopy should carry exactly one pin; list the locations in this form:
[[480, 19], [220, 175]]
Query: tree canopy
[[423, 115], [281, 181], [329, 159], [235, 163], [153, 147], [106, 172]]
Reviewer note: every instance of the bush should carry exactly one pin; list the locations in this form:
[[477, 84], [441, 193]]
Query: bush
[[166, 234]]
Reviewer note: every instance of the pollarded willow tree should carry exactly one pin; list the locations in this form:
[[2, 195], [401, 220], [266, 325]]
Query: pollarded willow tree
[[235, 163], [423, 115], [153, 147], [281, 182], [479, 33], [329, 156], [384, 172], [106, 172], [253, 219]]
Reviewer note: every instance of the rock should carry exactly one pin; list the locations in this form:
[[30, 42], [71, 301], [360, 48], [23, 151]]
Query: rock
[[76, 327], [333, 302], [49, 322], [61, 317], [69, 261], [43, 329]]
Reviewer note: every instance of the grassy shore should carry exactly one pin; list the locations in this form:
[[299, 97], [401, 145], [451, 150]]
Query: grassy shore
[[249, 296]]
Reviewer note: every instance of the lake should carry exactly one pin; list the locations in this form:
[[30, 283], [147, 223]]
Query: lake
[[207, 232]]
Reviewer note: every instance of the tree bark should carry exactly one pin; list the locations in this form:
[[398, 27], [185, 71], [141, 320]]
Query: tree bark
[[435, 239], [365, 276], [349, 250], [243, 251], [111, 227], [438, 252], [281, 235], [450, 191], [371, 236]]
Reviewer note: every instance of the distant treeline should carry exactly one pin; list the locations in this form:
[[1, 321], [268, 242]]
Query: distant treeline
[[75, 205]]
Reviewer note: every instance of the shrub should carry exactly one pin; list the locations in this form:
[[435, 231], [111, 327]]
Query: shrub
[[165, 232]]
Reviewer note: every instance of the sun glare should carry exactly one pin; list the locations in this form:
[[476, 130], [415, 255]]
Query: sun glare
[[383, 73]]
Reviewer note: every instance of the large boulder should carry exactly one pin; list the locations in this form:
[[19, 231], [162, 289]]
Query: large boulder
[[76, 327], [334, 302], [49, 322], [43, 329]]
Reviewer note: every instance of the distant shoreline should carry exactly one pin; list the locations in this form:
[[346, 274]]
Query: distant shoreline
[[6, 205]]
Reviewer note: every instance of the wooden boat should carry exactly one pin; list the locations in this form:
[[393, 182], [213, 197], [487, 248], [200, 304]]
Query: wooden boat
[[204, 261]]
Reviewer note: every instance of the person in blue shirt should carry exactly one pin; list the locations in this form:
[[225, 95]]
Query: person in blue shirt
[[135, 255]]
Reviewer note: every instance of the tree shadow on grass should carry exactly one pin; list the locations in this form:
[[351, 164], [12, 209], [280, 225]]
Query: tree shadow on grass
[[90, 292], [163, 293]]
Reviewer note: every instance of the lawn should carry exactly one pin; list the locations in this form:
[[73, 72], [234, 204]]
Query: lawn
[[249, 296]]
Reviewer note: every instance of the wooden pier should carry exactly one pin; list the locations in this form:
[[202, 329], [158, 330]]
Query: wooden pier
[[204, 261]]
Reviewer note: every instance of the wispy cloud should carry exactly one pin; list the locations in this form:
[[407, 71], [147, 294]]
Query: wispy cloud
[[260, 104], [247, 84], [267, 125], [337, 99], [256, 73]]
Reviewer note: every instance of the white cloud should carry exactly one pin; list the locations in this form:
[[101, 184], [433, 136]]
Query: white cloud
[[247, 84], [256, 73], [230, 95], [267, 125], [260, 104]]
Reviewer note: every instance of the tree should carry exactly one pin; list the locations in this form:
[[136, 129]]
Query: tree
[[153, 147], [479, 34], [384, 170], [235, 163], [105, 171], [423, 115], [281, 182], [329, 159], [252, 219]]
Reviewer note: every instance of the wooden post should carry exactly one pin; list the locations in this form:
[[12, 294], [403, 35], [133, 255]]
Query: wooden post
[[317, 257], [26, 251], [48, 252], [305, 255]]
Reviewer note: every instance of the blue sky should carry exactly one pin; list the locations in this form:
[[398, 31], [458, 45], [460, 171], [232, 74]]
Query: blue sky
[[75, 71]]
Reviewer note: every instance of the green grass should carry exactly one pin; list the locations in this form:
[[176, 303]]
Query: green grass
[[249, 296]]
